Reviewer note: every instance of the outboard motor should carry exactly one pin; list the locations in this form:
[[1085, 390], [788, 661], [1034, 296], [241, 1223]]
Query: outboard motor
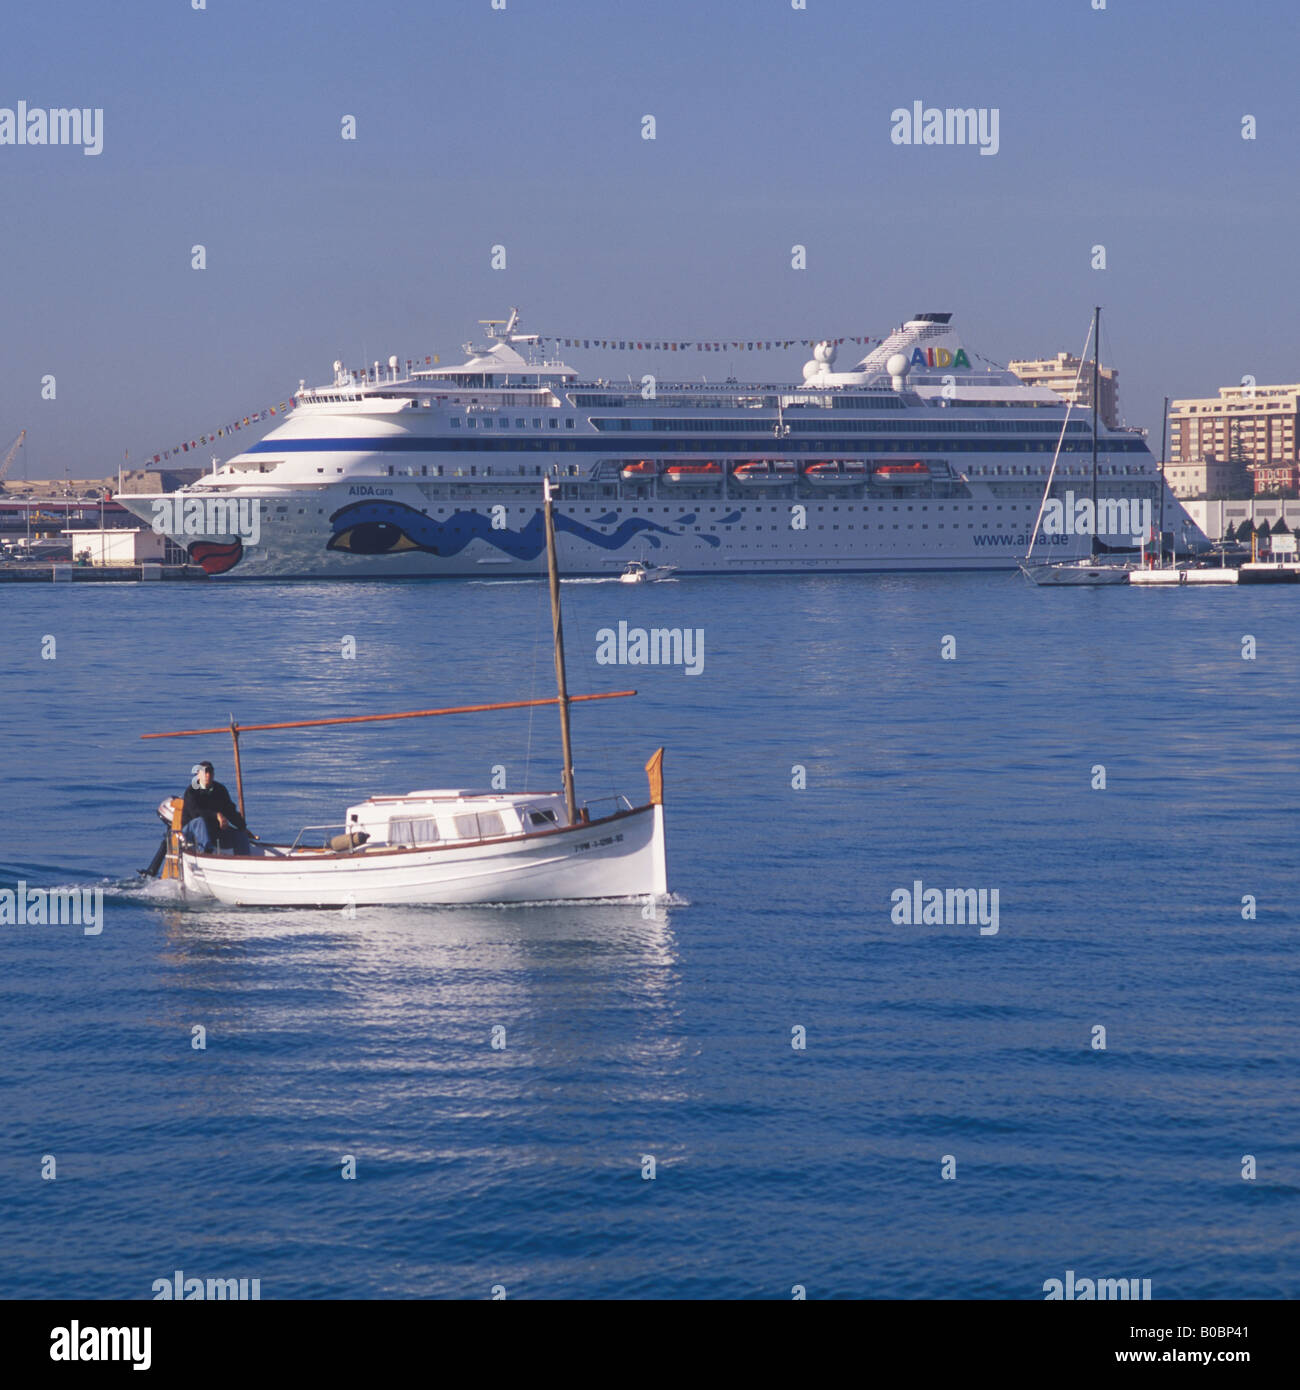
[[169, 812]]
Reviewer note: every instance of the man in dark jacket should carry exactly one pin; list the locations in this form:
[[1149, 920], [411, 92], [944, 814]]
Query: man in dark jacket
[[210, 818]]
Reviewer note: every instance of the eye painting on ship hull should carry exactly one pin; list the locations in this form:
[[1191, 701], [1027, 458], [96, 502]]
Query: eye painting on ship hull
[[387, 528]]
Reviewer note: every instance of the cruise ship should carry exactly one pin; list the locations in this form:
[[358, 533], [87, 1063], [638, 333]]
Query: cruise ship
[[916, 458]]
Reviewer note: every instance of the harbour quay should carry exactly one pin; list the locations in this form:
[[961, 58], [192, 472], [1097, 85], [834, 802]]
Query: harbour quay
[[61, 572]]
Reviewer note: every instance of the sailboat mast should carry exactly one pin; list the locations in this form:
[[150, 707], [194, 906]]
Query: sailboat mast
[[557, 627], [1096, 352], [1164, 438]]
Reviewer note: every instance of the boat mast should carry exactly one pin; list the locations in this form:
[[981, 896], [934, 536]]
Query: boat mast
[[1164, 434], [557, 628], [1096, 351]]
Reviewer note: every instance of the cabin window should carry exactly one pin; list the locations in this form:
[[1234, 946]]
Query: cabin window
[[412, 832], [490, 823], [541, 818]]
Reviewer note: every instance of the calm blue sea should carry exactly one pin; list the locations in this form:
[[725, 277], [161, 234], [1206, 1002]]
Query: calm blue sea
[[630, 1038]]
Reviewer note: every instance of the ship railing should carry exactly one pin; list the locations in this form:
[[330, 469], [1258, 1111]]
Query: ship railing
[[616, 802], [297, 843]]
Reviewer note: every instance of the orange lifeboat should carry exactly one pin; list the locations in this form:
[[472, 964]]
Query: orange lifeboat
[[901, 474], [693, 473], [640, 471], [766, 472], [837, 473]]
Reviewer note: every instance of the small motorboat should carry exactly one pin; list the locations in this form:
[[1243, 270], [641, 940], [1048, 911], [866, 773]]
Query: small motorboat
[[693, 473], [766, 473], [643, 572], [837, 473]]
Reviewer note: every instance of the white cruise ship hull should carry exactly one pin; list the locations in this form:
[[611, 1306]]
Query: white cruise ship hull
[[740, 536]]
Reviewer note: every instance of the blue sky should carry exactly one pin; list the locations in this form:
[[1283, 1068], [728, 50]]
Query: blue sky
[[523, 127]]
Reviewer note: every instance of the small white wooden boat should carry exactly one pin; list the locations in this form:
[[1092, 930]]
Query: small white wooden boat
[[442, 847], [643, 572]]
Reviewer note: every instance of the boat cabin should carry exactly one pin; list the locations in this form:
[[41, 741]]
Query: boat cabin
[[441, 816]]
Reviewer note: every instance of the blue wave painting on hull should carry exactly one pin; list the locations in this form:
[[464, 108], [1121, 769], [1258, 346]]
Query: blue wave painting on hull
[[389, 528]]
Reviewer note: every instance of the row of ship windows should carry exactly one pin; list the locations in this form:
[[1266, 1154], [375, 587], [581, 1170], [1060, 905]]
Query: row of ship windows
[[649, 424], [1010, 470], [922, 506], [813, 442], [503, 423]]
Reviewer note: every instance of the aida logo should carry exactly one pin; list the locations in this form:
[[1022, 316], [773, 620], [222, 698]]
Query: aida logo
[[939, 357]]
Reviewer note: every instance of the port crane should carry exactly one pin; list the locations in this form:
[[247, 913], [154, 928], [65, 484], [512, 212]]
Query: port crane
[[10, 454]]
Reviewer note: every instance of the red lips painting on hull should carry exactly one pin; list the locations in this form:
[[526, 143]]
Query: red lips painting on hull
[[216, 557]]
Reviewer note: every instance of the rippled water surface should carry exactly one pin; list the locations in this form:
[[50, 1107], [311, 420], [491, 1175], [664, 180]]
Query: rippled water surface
[[630, 1037]]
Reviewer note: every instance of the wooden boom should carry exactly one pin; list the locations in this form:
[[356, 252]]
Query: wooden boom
[[371, 718]]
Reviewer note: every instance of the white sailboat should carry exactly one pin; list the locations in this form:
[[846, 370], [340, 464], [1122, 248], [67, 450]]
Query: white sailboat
[[1097, 567], [443, 846]]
